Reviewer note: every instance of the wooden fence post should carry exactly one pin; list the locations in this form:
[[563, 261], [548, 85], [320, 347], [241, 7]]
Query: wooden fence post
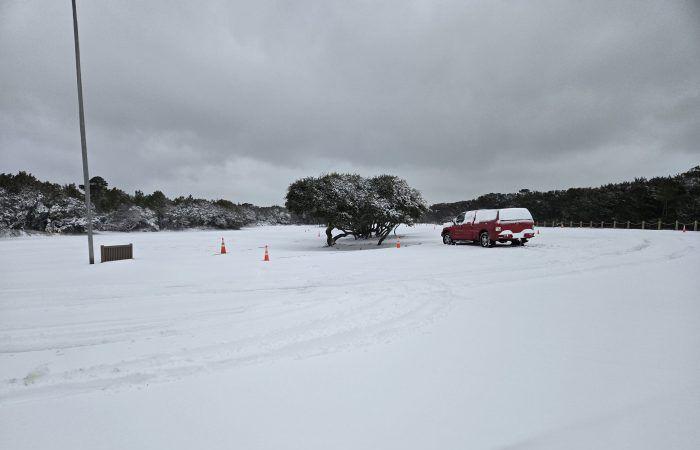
[[614, 223], [695, 227], [602, 223], [642, 224], [580, 224], [628, 224], [591, 224], [676, 225], [571, 224], [659, 224]]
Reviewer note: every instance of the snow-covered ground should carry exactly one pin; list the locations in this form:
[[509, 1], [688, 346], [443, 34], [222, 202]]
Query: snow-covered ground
[[582, 339]]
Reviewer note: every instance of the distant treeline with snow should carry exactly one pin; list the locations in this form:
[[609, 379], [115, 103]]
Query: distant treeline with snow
[[27, 203], [666, 198]]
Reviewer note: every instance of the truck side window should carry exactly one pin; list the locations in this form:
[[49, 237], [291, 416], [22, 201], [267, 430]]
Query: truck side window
[[460, 218], [469, 216]]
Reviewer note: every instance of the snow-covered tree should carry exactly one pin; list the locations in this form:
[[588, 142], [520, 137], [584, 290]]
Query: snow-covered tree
[[355, 205], [396, 203]]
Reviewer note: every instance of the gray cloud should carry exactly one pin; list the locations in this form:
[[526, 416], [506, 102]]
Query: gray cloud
[[237, 99]]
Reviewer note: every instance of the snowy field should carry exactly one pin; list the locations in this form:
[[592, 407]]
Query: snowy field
[[582, 339]]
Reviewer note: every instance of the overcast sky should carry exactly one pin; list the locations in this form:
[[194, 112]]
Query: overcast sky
[[238, 99]]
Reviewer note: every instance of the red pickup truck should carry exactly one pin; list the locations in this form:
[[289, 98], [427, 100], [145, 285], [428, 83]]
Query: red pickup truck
[[488, 226]]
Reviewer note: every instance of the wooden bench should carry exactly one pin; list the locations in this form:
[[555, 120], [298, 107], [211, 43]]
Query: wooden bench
[[116, 252]]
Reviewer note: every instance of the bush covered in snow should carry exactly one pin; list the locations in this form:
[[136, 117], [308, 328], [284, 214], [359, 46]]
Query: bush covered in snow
[[357, 206], [29, 209], [132, 218]]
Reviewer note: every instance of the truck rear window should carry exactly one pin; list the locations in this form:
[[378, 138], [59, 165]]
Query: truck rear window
[[485, 215], [514, 214]]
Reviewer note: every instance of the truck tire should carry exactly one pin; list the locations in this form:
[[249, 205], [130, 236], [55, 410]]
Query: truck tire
[[484, 239], [447, 239]]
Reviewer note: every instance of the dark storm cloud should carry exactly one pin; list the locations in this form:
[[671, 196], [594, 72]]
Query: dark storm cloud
[[461, 98]]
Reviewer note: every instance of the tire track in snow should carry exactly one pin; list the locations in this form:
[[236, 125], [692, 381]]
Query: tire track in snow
[[381, 316]]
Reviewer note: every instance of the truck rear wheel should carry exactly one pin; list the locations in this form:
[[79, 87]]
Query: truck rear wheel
[[447, 239], [484, 239]]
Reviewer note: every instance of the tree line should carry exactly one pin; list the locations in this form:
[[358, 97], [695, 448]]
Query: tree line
[[104, 198], [666, 198]]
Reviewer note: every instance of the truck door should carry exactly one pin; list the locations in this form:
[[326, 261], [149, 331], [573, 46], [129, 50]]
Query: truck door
[[468, 226], [458, 232]]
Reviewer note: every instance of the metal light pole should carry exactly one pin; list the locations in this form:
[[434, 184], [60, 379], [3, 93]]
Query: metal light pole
[[83, 143]]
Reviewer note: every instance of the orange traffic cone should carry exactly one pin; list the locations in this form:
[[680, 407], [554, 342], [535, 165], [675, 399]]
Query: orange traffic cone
[[267, 255], [398, 242], [223, 247]]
